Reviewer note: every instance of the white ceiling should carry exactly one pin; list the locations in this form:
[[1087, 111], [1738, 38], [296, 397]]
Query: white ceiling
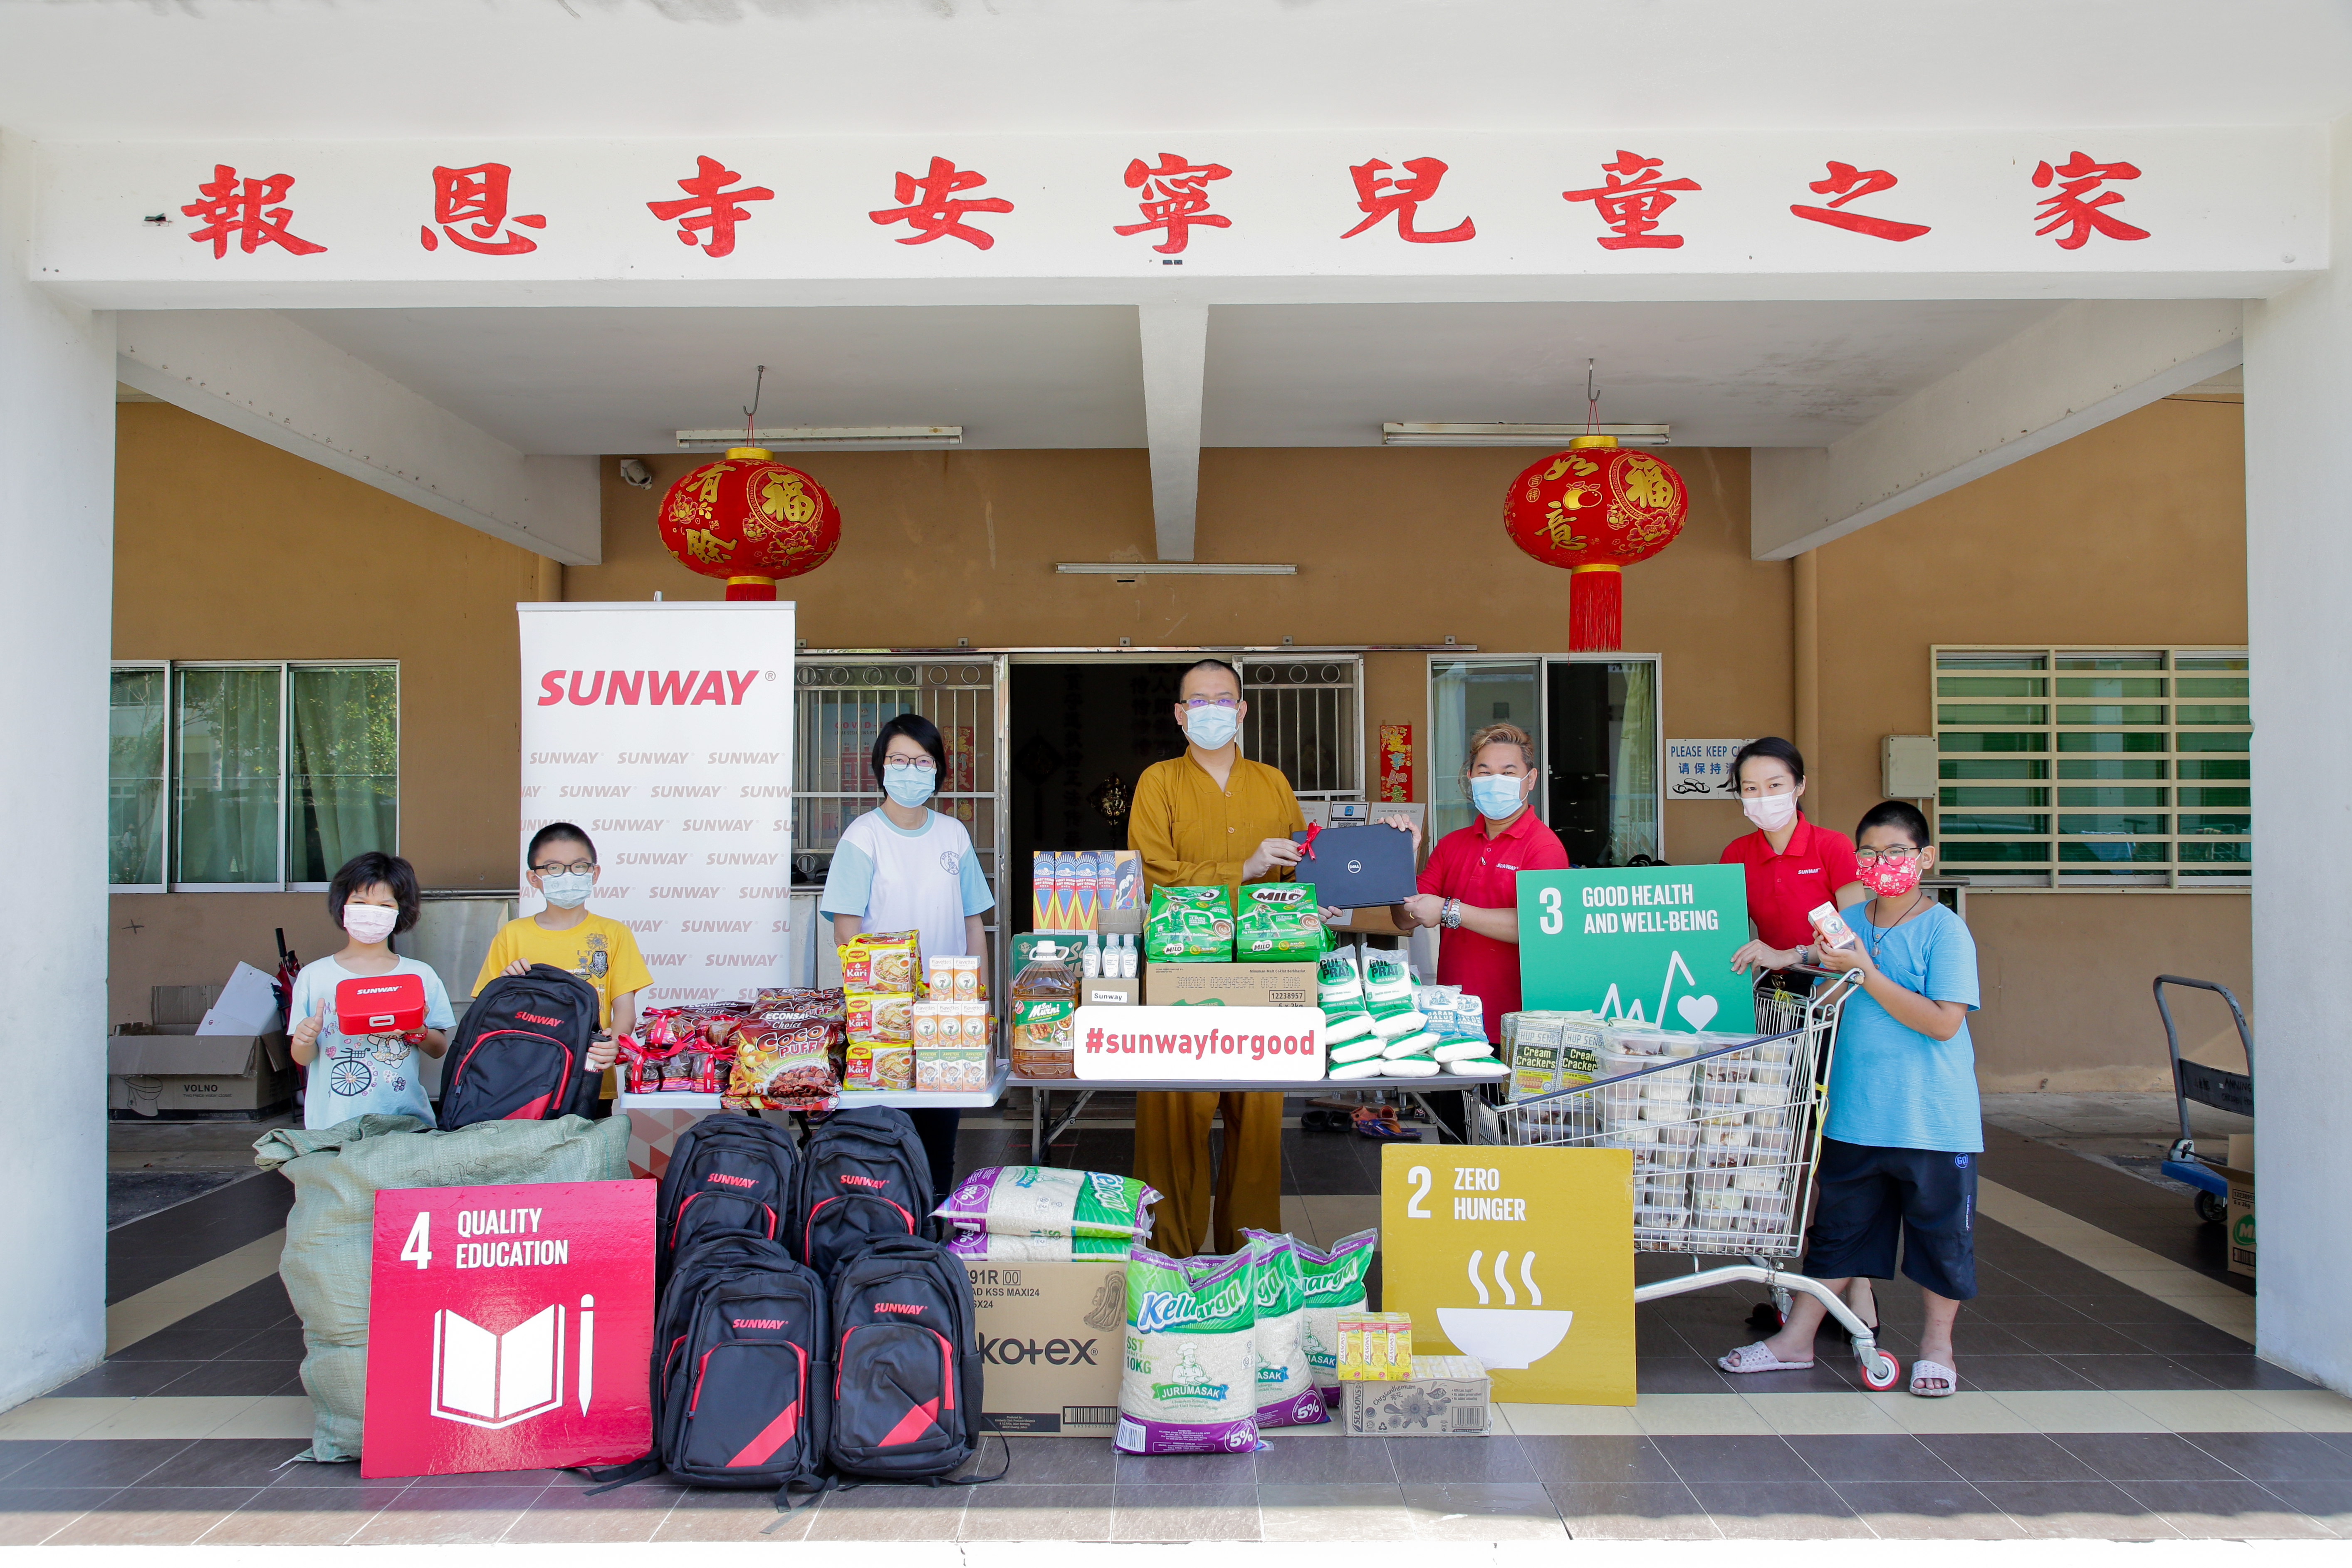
[[621, 379], [183, 69]]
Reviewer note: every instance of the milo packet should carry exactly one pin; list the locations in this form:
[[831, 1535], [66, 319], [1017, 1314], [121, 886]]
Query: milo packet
[[1276, 920], [1190, 925]]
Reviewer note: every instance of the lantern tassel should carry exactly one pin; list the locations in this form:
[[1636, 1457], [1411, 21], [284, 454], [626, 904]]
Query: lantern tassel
[[1596, 609], [751, 587]]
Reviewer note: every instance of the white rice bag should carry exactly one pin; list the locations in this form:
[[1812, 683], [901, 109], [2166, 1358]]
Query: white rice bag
[[1410, 1066], [1341, 1025], [1392, 1025], [1369, 1068], [1356, 1051], [1285, 1384], [1416, 1044], [1045, 1200], [1332, 1282], [1188, 1382], [1478, 1066], [1461, 1050]]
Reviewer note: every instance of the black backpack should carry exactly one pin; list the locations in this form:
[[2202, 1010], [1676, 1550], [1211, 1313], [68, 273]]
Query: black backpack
[[907, 1370], [744, 1376], [863, 1177], [727, 1174], [521, 1053]]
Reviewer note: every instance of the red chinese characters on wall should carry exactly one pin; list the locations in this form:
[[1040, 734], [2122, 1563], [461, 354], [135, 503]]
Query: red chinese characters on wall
[[1175, 199], [1633, 201], [2073, 208], [931, 207], [1396, 762], [241, 209], [710, 211], [1377, 197], [477, 198], [1845, 183]]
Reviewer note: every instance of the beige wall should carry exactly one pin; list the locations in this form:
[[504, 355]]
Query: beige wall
[[2132, 533]]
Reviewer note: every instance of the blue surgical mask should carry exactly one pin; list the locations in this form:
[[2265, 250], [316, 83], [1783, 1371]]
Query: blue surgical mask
[[1210, 728], [1495, 795], [908, 786], [566, 889]]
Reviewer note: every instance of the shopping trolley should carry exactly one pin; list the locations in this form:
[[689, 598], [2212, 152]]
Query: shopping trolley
[[1724, 1142], [2207, 1085]]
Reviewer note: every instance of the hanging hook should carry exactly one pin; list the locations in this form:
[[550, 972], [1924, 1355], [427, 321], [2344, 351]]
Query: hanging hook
[[748, 412], [1592, 400]]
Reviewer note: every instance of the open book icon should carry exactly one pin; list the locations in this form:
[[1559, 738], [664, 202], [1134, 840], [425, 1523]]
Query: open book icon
[[496, 1379]]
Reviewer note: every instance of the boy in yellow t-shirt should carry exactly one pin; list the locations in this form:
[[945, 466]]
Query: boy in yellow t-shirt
[[597, 948]]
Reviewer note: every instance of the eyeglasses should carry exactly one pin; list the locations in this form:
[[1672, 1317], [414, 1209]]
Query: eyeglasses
[[910, 766], [1200, 703], [1873, 857], [577, 868]]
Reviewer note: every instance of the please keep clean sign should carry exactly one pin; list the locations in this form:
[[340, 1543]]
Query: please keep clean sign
[[1648, 942]]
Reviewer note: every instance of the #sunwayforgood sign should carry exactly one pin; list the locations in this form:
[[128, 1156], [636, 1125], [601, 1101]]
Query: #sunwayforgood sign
[[508, 1328], [1212, 1045], [666, 732]]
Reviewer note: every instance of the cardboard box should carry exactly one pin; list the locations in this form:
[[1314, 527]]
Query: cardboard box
[[1051, 1335], [1229, 984], [2238, 1226], [1446, 1396], [155, 1068], [1110, 993]]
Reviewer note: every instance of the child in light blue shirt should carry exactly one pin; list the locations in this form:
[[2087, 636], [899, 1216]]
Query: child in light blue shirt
[[373, 897]]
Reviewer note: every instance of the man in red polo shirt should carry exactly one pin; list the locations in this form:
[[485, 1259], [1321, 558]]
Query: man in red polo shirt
[[1470, 888]]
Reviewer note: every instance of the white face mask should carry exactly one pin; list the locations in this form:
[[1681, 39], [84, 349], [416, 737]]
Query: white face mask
[[1769, 811], [369, 922], [566, 889], [1212, 728]]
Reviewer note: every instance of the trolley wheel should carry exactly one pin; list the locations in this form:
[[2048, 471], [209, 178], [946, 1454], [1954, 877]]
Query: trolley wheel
[[2212, 1208], [1880, 1372]]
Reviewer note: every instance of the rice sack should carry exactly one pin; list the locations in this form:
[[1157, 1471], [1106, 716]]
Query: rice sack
[[1285, 1383], [1190, 925], [1277, 921], [980, 1245], [1045, 1200], [1187, 1381], [1332, 1282]]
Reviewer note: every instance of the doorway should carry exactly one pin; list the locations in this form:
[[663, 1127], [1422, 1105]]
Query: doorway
[[1594, 718], [1080, 735]]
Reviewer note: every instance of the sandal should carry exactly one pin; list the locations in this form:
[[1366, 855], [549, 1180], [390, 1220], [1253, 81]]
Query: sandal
[[1758, 1357], [1926, 1373]]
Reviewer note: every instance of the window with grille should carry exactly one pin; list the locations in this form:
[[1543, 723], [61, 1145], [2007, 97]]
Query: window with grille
[[1306, 720], [2080, 767], [839, 705]]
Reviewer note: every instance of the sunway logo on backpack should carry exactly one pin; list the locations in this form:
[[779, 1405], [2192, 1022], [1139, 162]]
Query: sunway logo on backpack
[[755, 1323], [731, 1181], [897, 1307], [538, 1018], [863, 1181]]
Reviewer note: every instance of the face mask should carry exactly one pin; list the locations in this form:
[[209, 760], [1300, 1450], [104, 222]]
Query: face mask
[[1769, 811], [1495, 795], [1890, 878], [567, 890], [908, 786], [1210, 728], [369, 922]]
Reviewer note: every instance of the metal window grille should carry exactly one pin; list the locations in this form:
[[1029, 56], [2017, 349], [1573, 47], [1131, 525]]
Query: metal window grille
[[1306, 718], [2094, 767]]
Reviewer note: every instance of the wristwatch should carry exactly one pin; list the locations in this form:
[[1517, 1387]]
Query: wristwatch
[[1450, 915]]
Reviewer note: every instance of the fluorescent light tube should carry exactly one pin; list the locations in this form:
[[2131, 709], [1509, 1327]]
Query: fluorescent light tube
[[802, 437], [1407, 433]]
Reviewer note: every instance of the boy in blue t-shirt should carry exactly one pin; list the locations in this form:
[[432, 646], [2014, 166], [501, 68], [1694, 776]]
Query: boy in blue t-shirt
[[1902, 1129]]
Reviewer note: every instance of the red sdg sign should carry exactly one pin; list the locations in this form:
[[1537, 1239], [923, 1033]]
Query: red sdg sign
[[510, 1328]]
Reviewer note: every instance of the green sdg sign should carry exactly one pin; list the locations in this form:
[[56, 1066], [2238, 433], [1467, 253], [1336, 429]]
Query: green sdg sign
[[1652, 942]]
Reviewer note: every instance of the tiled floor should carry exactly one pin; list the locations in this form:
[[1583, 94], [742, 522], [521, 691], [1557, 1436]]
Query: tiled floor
[[2089, 1408]]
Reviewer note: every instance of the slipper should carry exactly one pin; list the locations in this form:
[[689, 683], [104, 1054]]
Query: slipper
[[1756, 1358], [1927, 1372]]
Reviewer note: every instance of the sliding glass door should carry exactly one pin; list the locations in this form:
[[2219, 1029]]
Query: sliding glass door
[[1595, 721]]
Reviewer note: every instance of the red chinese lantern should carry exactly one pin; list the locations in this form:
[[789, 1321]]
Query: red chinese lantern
[[1595, 508], [750, 519]]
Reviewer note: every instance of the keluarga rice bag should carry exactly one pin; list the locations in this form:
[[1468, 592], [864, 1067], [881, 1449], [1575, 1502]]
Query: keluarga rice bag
[[1285, 1383], [1045, 1200], [1188, 1379], [1332, 1282]]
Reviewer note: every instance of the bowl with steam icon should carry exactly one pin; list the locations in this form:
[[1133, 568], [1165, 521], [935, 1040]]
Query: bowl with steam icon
[[1508, 1338]]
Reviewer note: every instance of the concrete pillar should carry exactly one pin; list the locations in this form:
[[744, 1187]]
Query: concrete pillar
[[2298, 582], [56, 552]]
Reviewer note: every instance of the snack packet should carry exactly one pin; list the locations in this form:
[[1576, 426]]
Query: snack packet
[[784, 1061], [1276, 920], [1190, 925], [881, 962], [881, 1020]]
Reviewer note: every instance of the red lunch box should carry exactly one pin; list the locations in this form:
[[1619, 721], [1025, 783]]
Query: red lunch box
[[379, 1005]]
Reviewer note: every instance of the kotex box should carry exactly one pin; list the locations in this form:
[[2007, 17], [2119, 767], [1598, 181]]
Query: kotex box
[[1049, 1335]]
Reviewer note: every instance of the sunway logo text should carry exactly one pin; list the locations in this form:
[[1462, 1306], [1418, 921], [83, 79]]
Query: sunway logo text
[[863, 1181], [628, 688]]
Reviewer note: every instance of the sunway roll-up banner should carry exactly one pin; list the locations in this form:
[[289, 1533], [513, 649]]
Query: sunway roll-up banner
[[665, 731]]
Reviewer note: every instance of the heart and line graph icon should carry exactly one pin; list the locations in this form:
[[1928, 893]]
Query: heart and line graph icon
[[1696, 1008]]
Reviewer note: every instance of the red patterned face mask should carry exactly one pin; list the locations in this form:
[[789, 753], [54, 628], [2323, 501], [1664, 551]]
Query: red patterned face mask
[[1890, 878]]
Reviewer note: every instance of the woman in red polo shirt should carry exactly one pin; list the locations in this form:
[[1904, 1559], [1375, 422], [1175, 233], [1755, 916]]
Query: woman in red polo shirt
[[1794, 865], [1469, 890]]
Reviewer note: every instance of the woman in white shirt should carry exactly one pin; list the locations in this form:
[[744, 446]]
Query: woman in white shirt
[[904, 866]]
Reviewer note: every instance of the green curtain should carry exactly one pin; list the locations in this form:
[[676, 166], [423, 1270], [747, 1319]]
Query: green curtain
[[229, 777], [343, 772], [134, 794], [1633, 781]]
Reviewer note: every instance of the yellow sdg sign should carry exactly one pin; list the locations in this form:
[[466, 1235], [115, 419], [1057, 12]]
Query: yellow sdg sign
[[1522, 1257]]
